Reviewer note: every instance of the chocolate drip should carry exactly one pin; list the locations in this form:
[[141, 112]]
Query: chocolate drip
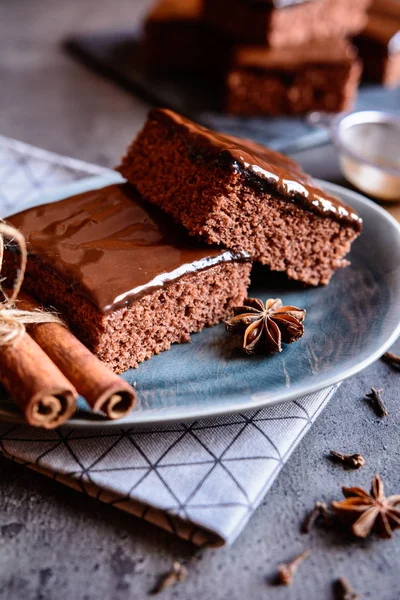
[[263, 168], [111, 247]]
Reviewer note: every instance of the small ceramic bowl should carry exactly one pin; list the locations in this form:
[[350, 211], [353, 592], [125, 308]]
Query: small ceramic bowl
[[368, 144]]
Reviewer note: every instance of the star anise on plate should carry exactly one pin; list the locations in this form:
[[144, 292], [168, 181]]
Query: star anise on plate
[[264, 328], [369, 512]]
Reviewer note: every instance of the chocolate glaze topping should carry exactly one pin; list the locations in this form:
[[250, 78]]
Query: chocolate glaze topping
[[269, 171], [110, 247]]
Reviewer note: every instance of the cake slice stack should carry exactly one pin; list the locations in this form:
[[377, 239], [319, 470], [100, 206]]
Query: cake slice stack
[[275, 57]]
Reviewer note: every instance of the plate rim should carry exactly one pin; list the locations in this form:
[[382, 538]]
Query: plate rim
[[259, 402]]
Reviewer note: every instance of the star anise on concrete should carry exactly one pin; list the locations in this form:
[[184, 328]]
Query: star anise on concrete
[[264, 328], [369, 512]]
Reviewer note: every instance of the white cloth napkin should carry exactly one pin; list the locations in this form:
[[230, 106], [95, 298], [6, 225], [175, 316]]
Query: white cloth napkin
[[200, 480]]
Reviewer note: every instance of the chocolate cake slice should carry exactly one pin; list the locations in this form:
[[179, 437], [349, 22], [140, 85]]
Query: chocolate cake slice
[[282, 23], [319, 76], [241, 195], [128, 280]]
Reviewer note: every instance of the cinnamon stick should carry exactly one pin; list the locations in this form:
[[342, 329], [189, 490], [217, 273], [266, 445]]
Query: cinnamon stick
[[36, 385], [102, 389]]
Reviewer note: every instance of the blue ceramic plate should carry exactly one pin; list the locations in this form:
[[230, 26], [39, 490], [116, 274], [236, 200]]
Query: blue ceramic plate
[[350, 323]]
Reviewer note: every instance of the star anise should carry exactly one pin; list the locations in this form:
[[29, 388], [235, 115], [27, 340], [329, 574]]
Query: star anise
[[265, 328], [369, 512]]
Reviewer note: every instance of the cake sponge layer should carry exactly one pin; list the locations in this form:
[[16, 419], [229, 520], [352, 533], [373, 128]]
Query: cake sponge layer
[[132, 334]]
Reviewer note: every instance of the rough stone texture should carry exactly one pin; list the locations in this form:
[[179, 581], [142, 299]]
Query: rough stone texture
[[56, 544], [116, 556]]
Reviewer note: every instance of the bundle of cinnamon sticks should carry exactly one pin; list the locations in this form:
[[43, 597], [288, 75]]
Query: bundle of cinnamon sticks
[[44, 367]]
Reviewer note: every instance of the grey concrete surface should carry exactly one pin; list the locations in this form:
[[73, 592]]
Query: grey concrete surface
[[56, 544]]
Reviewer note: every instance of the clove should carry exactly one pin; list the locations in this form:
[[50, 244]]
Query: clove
[[391, 358], [344, 591], [177, 573], [286, 571], [375, 397], [320, 511], [352, 460]]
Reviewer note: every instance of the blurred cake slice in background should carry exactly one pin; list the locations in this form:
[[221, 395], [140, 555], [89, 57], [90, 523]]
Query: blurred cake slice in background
[[262, 57], [286, 23], [320, 76]]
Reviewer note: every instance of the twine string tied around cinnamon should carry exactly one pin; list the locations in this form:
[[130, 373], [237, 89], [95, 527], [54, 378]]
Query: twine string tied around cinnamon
[[13, 319]]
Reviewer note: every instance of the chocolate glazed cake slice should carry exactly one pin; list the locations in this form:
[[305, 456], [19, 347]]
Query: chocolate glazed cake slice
[[128, 280], [241, 195]]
